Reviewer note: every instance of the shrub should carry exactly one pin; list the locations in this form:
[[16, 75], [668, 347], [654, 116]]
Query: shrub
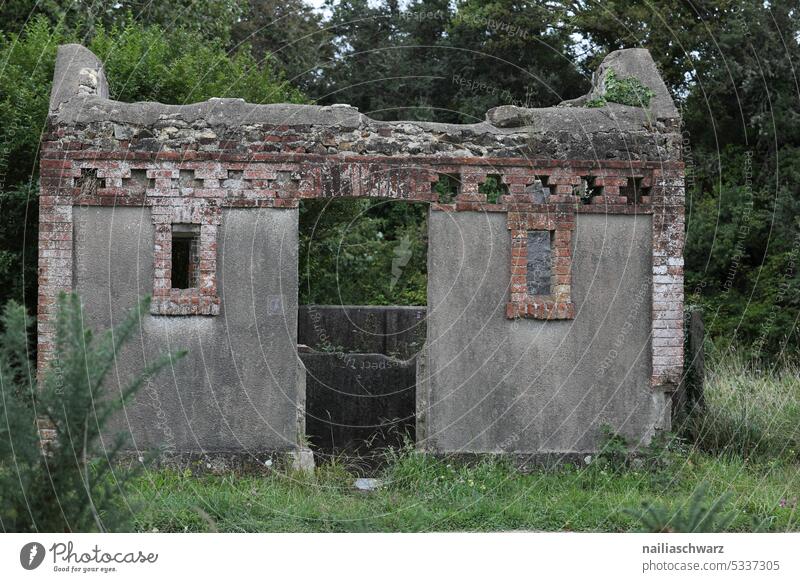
[[627, 91], [148, 64], [596, 102], [72, 484]]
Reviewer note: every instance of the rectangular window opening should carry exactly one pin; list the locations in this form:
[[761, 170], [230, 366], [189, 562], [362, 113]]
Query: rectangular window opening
[[185, 256], [539, 262], [88, 183], [632, 190]]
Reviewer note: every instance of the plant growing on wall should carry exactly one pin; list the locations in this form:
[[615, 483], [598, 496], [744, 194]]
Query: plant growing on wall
[[628, 91], [73, 483]]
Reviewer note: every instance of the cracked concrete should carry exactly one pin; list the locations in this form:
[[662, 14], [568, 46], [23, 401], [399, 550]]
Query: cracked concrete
[[562, 132]]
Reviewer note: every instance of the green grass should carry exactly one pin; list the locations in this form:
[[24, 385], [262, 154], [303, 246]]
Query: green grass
[[427, 494], [743, 447]]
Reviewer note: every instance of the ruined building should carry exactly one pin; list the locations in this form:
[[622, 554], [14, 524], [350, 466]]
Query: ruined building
[[551, 311]]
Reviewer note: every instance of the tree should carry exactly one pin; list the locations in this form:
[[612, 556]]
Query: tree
[[514, 53], [367, 70], [436, 61], [732, 68], [212, 19], [147, 64], [289, 32], [26, 72]]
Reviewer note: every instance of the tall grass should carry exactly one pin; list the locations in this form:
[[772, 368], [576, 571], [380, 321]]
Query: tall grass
[[749, 410], [739, 472]]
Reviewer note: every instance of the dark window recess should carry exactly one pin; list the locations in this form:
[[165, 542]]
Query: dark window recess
[[539, 262], [633, 191], [185, 256]]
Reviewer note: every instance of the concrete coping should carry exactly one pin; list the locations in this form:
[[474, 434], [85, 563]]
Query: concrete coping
[[80, 95]]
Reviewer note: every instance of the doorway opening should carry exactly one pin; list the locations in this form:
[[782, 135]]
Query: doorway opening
[[361, 322]]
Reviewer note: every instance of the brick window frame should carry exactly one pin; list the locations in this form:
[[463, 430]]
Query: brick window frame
[[200, 300], [558, 304]]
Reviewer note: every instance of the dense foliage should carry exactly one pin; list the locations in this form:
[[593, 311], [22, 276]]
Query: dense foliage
[[433, 60], [730, 65], [362, 252], [76, 486], [143, 62]]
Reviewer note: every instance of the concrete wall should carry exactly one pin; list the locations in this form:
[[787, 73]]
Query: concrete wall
[[392, 330], [236, 390], [358, 402], [487, 384], [490, 384]]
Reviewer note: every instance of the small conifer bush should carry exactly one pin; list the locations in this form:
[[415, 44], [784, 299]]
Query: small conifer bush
[[74, 483]]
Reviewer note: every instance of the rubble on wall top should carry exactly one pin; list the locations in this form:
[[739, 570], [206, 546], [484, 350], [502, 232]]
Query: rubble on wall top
[[80, 95]]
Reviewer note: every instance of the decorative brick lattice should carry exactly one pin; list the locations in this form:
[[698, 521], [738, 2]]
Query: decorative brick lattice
[[193, 186]]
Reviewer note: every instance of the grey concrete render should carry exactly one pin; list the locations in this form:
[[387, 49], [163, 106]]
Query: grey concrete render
[[492, 384], [236, 389], [78, 73], [498, 385]]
